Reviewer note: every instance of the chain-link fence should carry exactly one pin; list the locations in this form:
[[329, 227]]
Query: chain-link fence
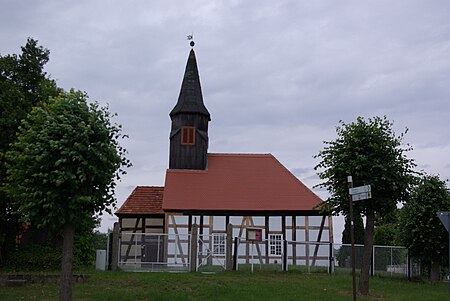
[[172, 252], [277, 255], [392, 261], [153, 252]]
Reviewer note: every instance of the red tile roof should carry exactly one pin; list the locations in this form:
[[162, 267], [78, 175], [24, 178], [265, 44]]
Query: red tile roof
[[143, 200], [234, 182]]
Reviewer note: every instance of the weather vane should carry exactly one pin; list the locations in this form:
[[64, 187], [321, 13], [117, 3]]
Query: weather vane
[[191, 38]]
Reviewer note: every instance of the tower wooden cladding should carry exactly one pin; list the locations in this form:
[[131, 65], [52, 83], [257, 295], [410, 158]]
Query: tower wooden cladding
[[189, 131]]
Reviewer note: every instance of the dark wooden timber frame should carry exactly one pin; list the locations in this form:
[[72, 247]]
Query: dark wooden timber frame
[[247, 221], [142, 228]]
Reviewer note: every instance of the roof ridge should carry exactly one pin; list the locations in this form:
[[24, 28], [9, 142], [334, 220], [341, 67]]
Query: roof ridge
[[242, 154], [147, 186], [186, 170]]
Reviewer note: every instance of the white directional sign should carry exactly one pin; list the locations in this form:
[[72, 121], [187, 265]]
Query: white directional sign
[[361, 196], [360, 193], [359, 189]]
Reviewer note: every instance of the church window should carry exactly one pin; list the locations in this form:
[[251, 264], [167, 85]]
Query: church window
[[219, 241], [275, 244], [188, 135]]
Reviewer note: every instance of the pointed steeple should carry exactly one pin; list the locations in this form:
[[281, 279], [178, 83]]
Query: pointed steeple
[[190, 118], [190, 99]]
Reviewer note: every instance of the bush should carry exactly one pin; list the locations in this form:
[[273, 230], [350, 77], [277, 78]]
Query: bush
[[47, 258], [34, 258]]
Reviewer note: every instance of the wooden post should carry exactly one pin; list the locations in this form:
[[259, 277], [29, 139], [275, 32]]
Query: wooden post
[[331, 258], [266, 237], [247, 244], [210, 239], [307, 240], [115, 247], [285, 250], [229, 248], [201, 240], [193, 254], [236, 254], [165, 238], [352, 235], [330, 229], [189, 223]]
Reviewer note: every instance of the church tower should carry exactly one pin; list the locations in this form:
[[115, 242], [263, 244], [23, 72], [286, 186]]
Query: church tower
[[189, 131]]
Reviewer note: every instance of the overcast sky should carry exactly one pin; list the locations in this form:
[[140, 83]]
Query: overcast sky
[[277, 76]]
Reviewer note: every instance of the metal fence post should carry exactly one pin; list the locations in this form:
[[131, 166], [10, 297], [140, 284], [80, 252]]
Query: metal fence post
[[331, 258], [392, 265], [408, 265]]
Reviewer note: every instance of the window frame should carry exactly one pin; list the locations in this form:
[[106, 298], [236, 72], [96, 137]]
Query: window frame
[[275, 244], [188, 135], [219, 243]]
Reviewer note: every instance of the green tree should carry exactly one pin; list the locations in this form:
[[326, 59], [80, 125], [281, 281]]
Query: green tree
[[23, 83], [62, 168], [369, 151], [420, 228], [100, 240], [358, 228], [345, 252], [387, 229], [386, 235]]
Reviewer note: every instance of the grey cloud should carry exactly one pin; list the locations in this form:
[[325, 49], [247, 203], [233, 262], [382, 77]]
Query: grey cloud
[[276, 76]]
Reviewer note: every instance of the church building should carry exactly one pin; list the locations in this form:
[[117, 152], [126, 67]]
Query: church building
[[213, 190]]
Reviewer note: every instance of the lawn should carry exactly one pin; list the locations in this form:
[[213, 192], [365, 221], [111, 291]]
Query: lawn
[[242, 285]]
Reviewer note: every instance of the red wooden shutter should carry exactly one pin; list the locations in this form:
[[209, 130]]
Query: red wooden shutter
[[188, 135]]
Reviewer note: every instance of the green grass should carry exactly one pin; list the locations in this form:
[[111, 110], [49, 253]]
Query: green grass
[[242, 285]]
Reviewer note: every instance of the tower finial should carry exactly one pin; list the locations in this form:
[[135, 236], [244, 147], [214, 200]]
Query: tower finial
[[191, 38]]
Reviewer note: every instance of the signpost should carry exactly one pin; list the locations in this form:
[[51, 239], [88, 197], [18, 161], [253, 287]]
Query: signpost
[[355, 194], [445, 219], [352, 235]]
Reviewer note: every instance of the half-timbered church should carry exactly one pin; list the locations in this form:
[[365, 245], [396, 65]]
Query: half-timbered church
[[212, 190]]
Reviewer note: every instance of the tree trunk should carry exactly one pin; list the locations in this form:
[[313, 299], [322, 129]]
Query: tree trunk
[[435, 271], [65, 293], [367, 252]]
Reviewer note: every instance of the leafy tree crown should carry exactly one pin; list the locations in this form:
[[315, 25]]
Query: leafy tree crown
[[372, 154], [65, 160], [420, 228]]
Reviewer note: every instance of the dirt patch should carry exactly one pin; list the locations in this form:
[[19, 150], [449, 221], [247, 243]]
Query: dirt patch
[[370, 297], [33, 278]]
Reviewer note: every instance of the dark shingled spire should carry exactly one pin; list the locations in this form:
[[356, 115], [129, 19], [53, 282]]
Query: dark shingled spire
[[190, 99]]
